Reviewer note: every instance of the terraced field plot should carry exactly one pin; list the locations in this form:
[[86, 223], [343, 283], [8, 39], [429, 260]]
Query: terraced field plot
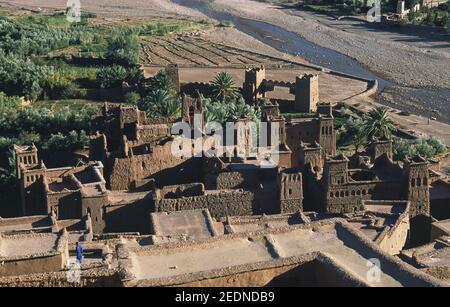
[[193, 51]]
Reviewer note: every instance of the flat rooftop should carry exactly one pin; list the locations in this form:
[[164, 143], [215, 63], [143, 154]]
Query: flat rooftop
[[347, 248], [25, 223], [192, 224], [237, 224], [18, 246]]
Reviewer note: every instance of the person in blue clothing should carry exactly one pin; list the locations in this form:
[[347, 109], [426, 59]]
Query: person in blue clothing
[[79, 252]]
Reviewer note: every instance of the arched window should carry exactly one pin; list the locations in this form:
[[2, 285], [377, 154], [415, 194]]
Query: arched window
[[358, 192], [425, 181], [413, 182], [353, 193]]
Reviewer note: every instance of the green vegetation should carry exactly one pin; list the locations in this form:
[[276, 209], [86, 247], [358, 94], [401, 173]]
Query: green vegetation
[[162, 29], [50, 130], [356, 132], [226, 24], [425, 147], [224, 88], [437, 16], [226, 102], [160, 98], [377, 123], [113, 76], [123, 48], [223, 111], [430, 16], [340, 7]]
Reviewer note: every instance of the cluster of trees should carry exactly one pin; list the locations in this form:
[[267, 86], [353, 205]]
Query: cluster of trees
[[425, 147], [123, 48], [429, 16], [376, 123], [115, 75], [123, 52], [62, 130], [348, 6], [22, 41], [49, 131], [360, 132], [23, 38], [22, 77], [159, 98], [226, 102]]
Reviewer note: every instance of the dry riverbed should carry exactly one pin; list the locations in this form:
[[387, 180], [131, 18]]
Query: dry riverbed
[[403, 63]]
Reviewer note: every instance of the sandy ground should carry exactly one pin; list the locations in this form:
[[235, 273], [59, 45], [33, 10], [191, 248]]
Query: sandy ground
[[130, 8], [238, 39], [406, 63]]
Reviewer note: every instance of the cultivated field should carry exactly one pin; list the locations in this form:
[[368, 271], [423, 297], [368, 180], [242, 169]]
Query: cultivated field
[[182, 50]]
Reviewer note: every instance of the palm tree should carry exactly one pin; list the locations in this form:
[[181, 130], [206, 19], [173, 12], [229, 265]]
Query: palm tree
[[161, 103], [224, 88], [377, 123]]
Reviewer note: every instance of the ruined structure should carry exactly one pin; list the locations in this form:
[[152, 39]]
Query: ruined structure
[[342, 187], [305, 89], [290, 212]]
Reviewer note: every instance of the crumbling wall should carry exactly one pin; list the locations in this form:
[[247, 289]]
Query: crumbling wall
[[45, 261], [219, 205], [236, 180], [32, 265], [393, 239], [348, 197], [97, 277], [161, 165]]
